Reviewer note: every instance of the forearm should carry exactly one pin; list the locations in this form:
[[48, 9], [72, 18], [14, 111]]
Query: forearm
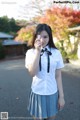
[[60, 85], [34, 67]]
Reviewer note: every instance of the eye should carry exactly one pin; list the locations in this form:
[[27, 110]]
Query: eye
[[45, 36]]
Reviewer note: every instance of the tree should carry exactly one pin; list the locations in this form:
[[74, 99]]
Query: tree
[[4, 24], [73, 14], [13, 26], [9, 25], [2, 53], [25, 34], [60, 19], [58, 22], [34, 8]]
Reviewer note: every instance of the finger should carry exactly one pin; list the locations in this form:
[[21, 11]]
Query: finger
[[38, 37], [58, 106], [37, 41], [37, 45], [61, 107]]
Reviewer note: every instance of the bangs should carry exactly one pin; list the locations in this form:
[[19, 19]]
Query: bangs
[[42, 27]]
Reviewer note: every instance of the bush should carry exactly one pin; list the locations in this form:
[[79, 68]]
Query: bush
[[59, 45], [2, 53], [73, 56], [67, 53]]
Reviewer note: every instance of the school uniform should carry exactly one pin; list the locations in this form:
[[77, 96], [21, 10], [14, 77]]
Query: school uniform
[[43, 101]]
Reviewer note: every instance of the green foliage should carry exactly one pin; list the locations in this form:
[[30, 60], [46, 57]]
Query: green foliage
[[67, 55], [2, 54], [8, 25], [13, 26], [59, 45], [73, 55], [4, 24]]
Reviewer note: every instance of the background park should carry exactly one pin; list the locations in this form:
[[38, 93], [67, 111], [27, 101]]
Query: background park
[[15, 39], [64, 21]]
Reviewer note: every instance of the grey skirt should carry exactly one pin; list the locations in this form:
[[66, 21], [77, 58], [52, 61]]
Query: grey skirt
[[43, 106]]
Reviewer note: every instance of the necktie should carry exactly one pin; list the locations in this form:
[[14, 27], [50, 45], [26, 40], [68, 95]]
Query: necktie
[[48, 54]]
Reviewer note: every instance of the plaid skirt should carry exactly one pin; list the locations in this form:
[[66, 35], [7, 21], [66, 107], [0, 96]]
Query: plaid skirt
[[43, 106]]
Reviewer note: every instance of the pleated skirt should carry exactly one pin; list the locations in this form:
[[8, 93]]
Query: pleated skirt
[[43, 106]]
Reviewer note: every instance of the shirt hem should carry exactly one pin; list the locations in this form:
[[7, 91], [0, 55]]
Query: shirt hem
[[45, 93]]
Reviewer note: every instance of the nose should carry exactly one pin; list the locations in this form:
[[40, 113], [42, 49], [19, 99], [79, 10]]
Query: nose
[[42, 39]]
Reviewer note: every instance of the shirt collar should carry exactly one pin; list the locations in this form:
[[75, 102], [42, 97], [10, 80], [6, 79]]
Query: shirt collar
[[47, 46]]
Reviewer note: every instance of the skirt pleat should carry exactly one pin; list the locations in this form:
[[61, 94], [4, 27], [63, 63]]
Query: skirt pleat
[[43, 106]]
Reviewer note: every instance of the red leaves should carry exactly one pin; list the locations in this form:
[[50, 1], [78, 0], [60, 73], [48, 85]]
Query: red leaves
[[60, 19]]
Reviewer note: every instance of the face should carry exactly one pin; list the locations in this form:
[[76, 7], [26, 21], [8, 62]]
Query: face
[[44, 38]]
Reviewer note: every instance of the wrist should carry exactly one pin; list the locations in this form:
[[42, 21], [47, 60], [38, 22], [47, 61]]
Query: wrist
[[37, 51], [61, 96]]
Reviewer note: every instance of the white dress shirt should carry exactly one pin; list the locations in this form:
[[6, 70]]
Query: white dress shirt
[[44, 83]]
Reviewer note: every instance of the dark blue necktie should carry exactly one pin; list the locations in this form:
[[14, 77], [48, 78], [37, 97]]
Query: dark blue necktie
[[48, 54]]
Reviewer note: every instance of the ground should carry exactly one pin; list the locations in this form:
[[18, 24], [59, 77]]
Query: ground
[[15, 83]]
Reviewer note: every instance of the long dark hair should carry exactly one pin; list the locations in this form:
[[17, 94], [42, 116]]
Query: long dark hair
[[39, 29]]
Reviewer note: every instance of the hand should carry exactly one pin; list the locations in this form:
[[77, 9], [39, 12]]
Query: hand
[[38, 45], [61, 103]]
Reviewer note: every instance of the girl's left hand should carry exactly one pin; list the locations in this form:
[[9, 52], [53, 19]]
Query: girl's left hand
[[61, 103]]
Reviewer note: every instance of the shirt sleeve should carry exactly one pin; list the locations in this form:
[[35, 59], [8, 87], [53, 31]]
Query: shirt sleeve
[[28, 58], [60, 63]]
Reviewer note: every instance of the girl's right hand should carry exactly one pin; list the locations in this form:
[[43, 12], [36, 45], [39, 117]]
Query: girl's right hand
[[37, 45]]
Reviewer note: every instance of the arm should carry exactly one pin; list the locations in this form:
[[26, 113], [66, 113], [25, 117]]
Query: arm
[[60, 88], [34, 67]]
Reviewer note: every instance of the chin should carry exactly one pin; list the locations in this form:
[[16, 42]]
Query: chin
[[44, 45]]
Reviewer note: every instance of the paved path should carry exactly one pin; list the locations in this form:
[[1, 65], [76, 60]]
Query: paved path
[[72, 68], [15, 87]]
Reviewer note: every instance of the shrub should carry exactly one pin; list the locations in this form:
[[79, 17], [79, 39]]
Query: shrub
[[2, 53]]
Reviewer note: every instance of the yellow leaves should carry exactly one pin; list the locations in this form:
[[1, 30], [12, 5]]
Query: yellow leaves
[[25, 34]]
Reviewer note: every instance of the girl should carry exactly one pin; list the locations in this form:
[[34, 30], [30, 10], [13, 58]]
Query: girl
[[44, 63]]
